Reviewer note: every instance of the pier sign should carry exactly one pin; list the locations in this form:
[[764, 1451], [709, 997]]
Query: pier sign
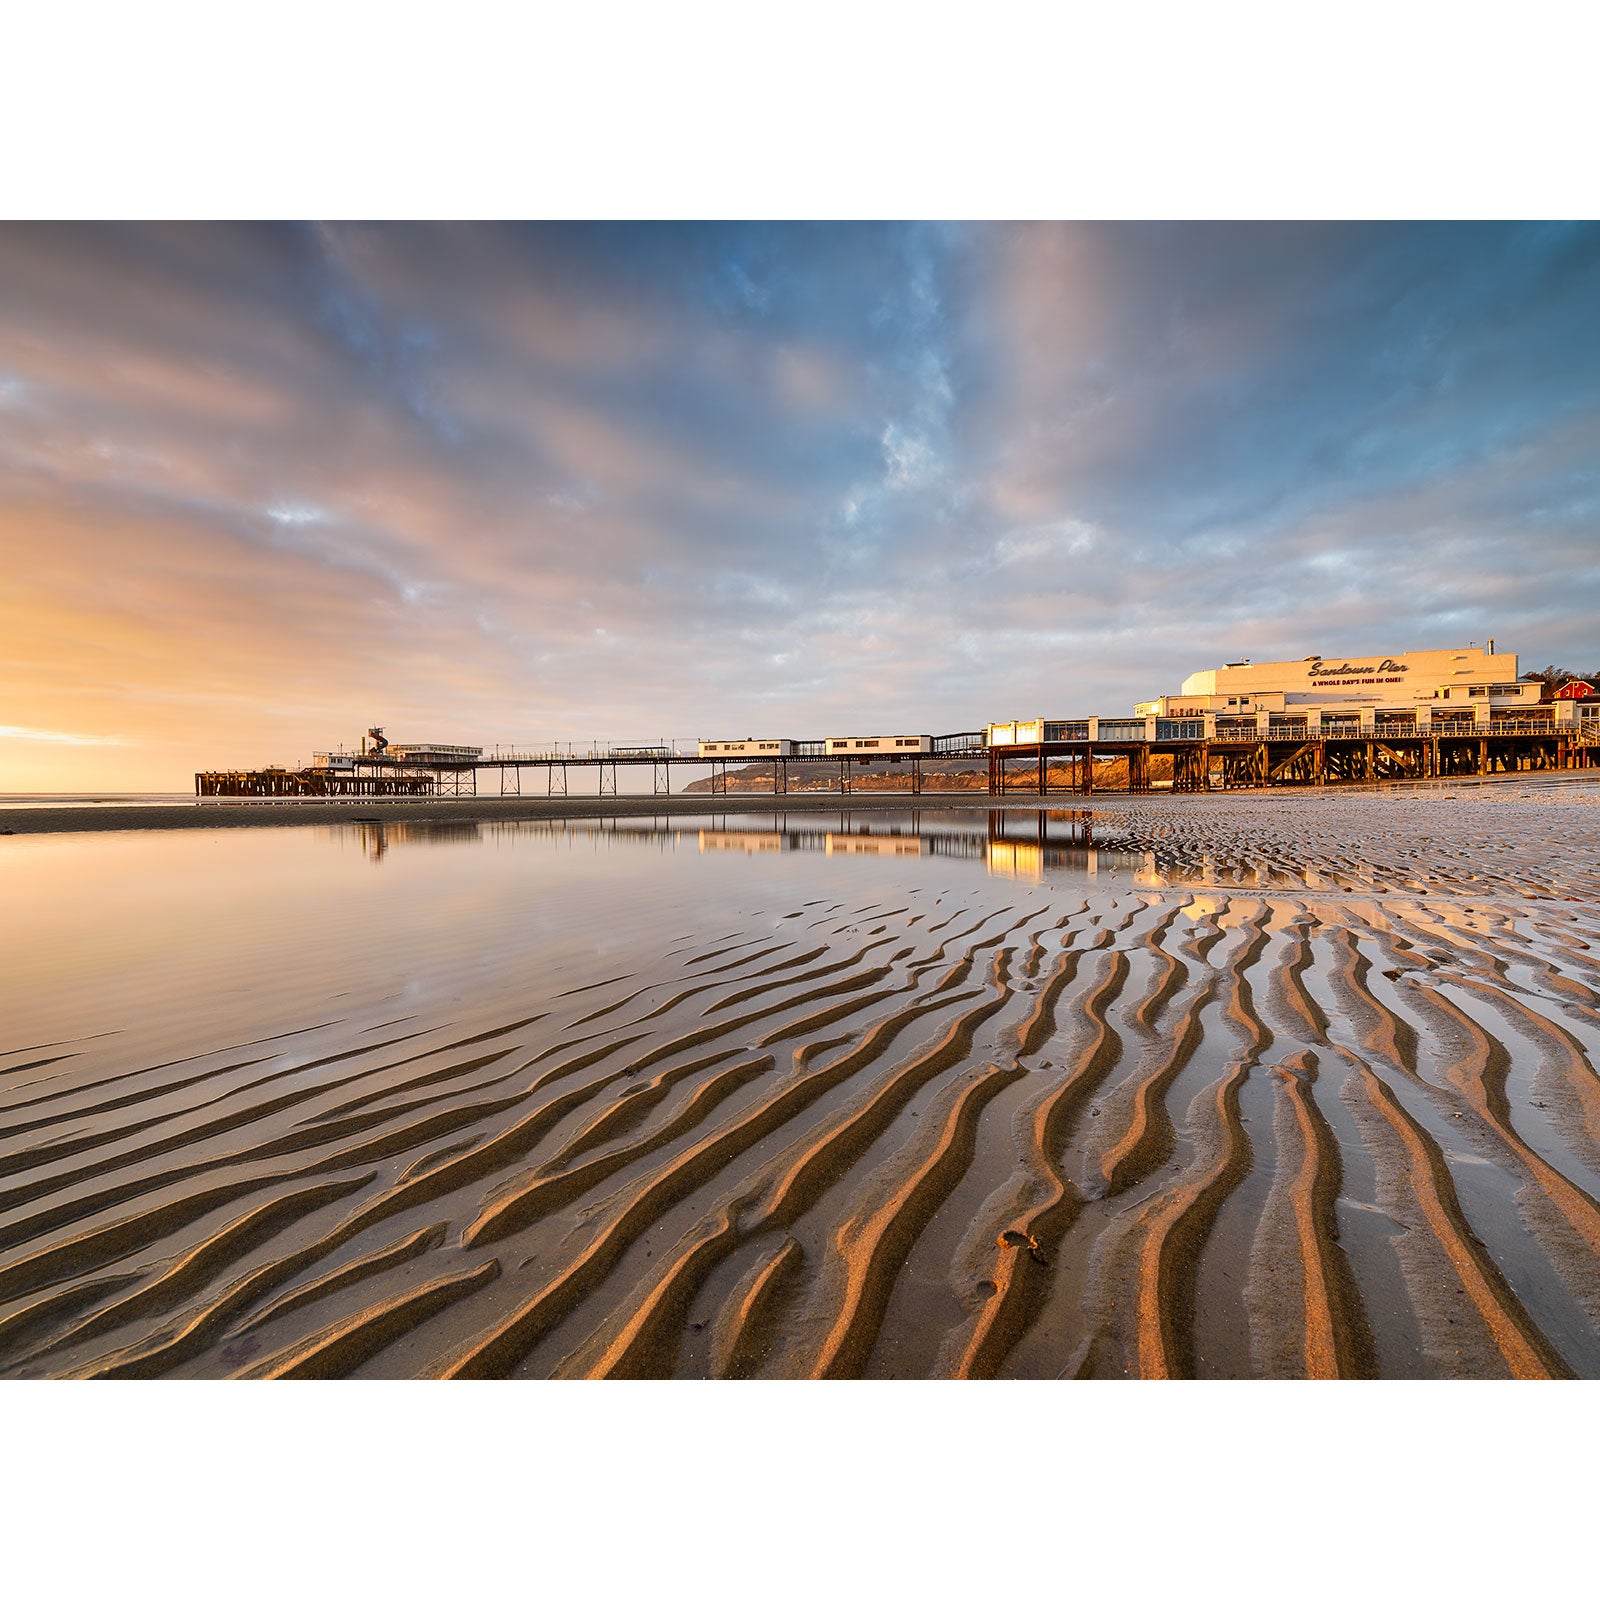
[[1351, 674]]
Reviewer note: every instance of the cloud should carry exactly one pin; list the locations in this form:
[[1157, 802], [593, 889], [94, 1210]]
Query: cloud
[[51, 736], [259, 486], [909, 460]]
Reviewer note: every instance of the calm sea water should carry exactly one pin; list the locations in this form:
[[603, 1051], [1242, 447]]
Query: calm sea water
[[186, 935], [86, 799]]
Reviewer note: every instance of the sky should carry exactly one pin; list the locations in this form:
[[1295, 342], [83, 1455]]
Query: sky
[[262, 487]]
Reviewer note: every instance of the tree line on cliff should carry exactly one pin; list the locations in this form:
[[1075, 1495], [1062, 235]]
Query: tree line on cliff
[[1552, 677]]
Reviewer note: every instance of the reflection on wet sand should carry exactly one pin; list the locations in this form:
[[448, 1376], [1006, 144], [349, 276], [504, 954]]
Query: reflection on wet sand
[[1232, 1088], [1053, 837], [1026, 844], [378, 838]]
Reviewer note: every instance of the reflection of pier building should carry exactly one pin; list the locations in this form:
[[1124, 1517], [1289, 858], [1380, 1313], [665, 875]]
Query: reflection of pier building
[[827, 841], [745, 841], [872, 844]]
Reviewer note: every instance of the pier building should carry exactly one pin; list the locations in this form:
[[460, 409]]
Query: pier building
[[1418, 687], [436, 755]]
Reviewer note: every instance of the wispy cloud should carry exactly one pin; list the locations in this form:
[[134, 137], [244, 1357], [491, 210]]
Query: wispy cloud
[[51, 736]]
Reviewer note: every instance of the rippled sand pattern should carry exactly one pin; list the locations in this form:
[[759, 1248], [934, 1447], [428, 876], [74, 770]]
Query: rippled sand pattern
[[1331, 1112]]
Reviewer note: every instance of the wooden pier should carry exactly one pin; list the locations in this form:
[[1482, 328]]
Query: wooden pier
[[1241, 759], [279, 783]]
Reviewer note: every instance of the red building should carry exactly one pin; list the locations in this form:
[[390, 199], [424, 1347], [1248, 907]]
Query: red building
[[1576, 689]]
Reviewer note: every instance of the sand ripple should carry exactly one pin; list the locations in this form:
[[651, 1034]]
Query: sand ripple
[[1338, 1116]]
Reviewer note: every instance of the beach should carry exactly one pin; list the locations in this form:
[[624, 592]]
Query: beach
[[1273, 1085]]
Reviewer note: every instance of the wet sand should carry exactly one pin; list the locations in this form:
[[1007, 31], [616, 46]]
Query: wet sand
[[1274, 1086]]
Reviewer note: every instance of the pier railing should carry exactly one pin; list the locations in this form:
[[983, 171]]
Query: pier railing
[[1382, 731]]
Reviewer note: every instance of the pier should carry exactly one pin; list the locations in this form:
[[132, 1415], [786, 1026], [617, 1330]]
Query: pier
[[1079, 760]]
